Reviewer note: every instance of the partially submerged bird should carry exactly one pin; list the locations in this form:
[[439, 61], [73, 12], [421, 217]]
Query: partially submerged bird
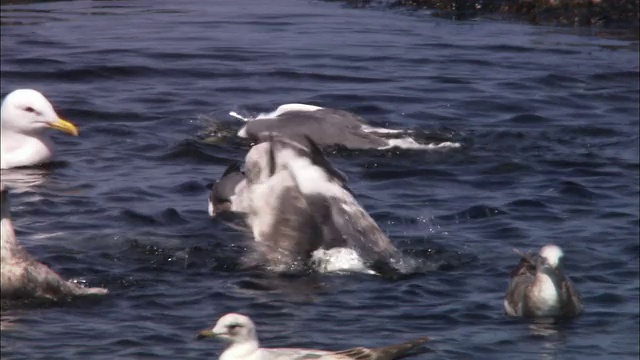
[[26, 115], [539, 287], [324, 125], [240, 334], [296, 202], [23, 277]]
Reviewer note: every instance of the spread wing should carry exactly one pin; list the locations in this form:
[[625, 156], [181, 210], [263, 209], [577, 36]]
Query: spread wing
[[325, 127], [526, 266], [522, 276], [573, 304]]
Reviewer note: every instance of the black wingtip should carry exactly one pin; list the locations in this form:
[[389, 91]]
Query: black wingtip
[[314, 148], [272, 155], [318, 159]]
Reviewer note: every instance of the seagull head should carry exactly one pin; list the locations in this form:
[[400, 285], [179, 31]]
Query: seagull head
[[234, 328], [551, 256], [27, 111]]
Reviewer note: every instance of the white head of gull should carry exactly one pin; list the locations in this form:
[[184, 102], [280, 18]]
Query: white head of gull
[[539, 287], [23, 277], [26, 115], [240, 334]]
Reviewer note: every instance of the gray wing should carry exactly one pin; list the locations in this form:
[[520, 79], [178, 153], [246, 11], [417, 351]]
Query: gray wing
[[292, 235], [359, 230], [225, 188], [304, 147], [572, 304], [522, 276], [296, 354], [51, 285], [31, 279], [326, 127], [343, 222]]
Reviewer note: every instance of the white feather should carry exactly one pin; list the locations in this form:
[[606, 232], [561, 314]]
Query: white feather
[[238, 116], [339, 260], [312, 179], [552, 254], [545, 293], [378, 130], [409, 143], [286, 108]]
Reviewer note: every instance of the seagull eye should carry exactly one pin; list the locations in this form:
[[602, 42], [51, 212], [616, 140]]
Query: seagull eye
[[234, 326], [29, 109]]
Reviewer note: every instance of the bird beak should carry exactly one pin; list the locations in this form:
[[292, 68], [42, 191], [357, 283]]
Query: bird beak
[[206, 333], [64, 126]]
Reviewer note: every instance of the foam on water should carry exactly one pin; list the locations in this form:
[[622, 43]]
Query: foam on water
[[409, 143]]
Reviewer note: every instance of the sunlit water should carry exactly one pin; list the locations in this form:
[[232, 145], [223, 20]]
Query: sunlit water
[[547, 119]]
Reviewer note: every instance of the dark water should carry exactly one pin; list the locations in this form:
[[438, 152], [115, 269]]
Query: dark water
[[548, 118]]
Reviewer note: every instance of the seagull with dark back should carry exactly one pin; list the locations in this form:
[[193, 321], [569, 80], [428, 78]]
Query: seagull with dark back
[[539, 287], [23, 277]]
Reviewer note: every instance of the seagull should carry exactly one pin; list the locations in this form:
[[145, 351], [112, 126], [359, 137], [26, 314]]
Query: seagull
[[23, 277], [325, 126], [539, 287], [296, 202], [26, 115], [240, 333]]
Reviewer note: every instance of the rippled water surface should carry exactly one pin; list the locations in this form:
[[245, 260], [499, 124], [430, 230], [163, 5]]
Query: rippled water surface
[[548, 119]]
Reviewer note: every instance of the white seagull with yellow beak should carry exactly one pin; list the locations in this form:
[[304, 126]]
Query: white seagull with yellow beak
[[26, 114]]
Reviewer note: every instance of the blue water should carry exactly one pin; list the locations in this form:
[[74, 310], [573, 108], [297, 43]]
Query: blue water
[[548, 119]]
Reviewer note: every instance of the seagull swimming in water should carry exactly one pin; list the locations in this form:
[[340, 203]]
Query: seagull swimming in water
[[26, 115], [325, 126], [240, 334], [25, 278], [539, 287]]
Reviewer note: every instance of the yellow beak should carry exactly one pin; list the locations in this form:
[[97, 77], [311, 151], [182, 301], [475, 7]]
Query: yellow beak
[[205, 334], [64, 126]]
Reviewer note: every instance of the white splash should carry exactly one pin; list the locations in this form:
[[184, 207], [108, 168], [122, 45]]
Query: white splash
[[339, 260], [380, 130], [409, 143]]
